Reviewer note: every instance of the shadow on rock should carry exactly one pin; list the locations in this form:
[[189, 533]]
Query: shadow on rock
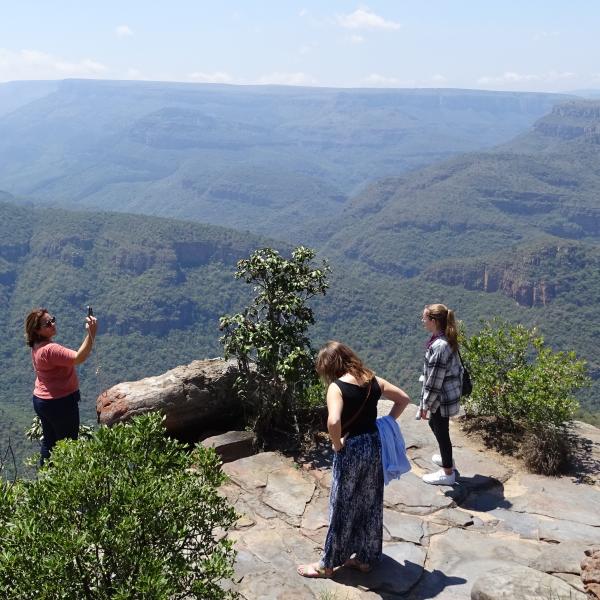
[[432, 584], [394, 579], [480, 493], [584, 460]]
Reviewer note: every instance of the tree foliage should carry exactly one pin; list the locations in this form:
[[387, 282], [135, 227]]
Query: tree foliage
[[127, 514], [269, 338], [519, 378]]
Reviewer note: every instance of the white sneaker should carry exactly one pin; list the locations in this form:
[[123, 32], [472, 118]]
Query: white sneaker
[[440, 478], [436, 459]]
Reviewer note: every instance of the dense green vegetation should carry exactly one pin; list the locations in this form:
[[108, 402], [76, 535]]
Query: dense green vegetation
[[126, 514], [221, 154], [512, 233]]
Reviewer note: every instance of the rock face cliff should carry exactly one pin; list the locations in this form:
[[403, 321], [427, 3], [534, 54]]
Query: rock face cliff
[[575, 119], [532, 275]]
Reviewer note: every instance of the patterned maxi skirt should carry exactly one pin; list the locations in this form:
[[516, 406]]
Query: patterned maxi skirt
[[355, 503]]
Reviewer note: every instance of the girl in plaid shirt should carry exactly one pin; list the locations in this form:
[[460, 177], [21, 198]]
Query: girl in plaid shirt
[[442, 382]]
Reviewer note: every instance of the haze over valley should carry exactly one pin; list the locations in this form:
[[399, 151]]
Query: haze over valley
[[486, 201]]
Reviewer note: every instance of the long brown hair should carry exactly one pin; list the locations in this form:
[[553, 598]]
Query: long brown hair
[[33, 322], [446, 321], [336, 359]]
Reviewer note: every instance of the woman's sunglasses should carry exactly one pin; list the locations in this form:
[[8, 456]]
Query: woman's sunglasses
[[49, 322]]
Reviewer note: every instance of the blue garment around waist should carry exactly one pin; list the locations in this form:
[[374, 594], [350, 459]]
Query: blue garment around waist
[[393, 449]]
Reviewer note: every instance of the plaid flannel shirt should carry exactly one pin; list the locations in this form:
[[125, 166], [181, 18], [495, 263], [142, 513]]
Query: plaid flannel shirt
[[442, 379]]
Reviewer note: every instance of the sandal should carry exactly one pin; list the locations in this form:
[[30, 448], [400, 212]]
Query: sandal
[[354, 563], [314, 571]]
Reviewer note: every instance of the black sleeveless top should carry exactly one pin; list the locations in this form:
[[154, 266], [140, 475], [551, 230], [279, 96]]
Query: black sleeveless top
[[353, 396]]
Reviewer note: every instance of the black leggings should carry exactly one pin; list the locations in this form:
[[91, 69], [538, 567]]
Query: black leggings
[[441, 429]]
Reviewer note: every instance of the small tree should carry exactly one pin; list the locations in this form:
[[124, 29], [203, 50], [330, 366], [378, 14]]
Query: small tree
[[269, 337], [127, 514], [528, 386], [520, 379]]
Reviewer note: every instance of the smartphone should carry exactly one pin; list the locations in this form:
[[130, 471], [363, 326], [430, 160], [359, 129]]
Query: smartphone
[[90, 312]]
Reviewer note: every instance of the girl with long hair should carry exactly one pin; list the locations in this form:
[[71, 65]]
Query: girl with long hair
[[354, 538], [442, 383]]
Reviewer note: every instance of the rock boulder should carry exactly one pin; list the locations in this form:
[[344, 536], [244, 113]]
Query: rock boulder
[[195, 398]]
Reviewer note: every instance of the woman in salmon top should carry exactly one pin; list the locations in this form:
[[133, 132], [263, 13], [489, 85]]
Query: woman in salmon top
[[56, 390]]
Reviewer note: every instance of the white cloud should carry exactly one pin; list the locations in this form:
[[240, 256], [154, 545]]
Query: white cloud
[[133, 73], [356, 39], [306, 49], [286, 79], [123, 31], [363, 18], [303, 12], [216, 77], [437, 78], [513, 78], [33, 64], [377, 80], [542, 35]]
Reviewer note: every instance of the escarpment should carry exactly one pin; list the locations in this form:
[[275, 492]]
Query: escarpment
[[532, 276]]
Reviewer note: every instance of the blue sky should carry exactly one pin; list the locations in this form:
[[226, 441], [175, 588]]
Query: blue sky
[[528, 45]]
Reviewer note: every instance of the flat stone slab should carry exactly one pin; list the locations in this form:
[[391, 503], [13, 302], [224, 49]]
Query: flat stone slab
[[559, 498], [410, 494], [453, 517], [252, 472], [516, 581], [316, 514], [288, 491], [456, 556], [403, 527], [534, 527], [269, 585], [559, 558], [232, 445]]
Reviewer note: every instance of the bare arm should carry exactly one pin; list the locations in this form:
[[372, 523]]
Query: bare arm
[[335, 404], [88, 341], [398, 396]]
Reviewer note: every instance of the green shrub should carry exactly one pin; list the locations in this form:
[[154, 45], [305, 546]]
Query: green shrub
[[528, 389], [127, 514], [269, 337], [519, 379]]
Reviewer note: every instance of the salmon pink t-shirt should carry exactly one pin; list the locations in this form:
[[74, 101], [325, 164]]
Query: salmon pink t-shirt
[[54, 369]]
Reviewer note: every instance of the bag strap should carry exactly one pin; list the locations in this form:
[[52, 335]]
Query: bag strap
[[357, 413], [461, 360]]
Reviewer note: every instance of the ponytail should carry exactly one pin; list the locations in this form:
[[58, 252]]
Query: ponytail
[[451, 330]]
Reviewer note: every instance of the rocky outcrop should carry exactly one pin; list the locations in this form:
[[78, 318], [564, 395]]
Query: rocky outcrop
[[194, 398], [590, 572], [575, 119], [498, 534], [530, 276]]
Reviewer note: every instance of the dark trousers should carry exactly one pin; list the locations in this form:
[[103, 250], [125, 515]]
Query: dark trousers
[[441, 429], [60, 420]]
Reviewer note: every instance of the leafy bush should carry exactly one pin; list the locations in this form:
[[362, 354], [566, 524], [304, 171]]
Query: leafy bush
[[269, 337], [127, 514], [528, 389], [520, 379]]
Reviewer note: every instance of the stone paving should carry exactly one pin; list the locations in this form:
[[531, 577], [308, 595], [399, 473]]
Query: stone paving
[[498, 533]]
